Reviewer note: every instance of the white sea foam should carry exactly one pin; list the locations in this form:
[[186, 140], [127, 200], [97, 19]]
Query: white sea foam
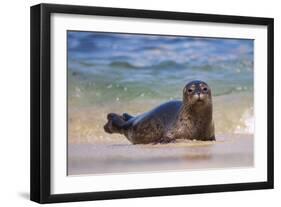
[[248, 123]]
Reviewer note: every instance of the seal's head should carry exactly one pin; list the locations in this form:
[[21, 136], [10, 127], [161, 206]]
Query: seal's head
[[197, 93]]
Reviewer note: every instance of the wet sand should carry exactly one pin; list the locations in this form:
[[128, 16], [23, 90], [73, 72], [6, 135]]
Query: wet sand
[[122, 157]]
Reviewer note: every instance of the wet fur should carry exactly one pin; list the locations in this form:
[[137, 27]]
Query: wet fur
[[187, 119]]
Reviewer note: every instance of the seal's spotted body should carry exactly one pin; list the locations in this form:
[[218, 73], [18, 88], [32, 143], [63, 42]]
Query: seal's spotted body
[[187, 119]]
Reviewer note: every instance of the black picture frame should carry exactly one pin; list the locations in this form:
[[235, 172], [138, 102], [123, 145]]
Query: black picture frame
[[41, 98]]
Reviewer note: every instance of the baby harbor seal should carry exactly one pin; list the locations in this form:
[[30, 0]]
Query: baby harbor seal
[[190, 118]]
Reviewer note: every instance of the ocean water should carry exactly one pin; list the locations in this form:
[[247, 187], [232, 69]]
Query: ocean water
[[113, 72]]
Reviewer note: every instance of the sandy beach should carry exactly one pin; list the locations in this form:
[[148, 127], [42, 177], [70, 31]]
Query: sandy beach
[[101, 158]]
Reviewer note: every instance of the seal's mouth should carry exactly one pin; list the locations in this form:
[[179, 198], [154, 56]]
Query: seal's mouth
[[200, 101], [199, 98]]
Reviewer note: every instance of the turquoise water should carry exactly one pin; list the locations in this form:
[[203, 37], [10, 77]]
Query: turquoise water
[[111, 69]]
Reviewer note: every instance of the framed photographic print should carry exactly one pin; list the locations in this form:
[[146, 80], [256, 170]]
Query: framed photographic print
[[133, 103]]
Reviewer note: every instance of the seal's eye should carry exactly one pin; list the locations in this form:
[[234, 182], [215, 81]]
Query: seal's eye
[[190, 90], [205, 89]]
